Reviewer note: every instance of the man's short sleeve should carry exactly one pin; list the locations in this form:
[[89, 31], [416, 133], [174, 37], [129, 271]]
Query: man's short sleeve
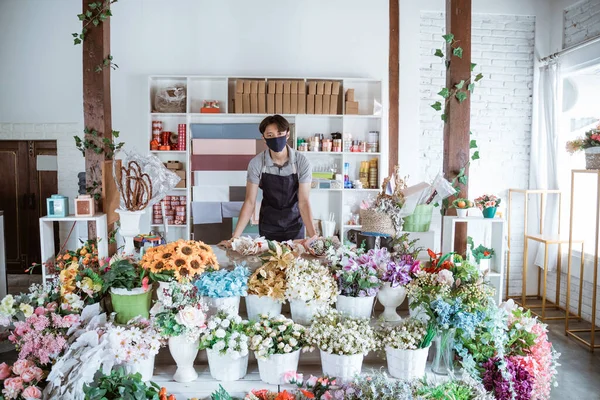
[[254, 167], [304, 169]]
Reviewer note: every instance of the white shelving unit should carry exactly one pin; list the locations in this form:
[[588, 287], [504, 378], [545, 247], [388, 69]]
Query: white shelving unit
[[340, 202], [495, 228]]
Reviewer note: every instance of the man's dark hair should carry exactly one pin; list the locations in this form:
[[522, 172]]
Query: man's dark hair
[[282, 124]]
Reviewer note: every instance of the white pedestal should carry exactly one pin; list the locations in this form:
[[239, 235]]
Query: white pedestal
[[47, 236]]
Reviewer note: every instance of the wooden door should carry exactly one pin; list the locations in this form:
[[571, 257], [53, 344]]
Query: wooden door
[[23, 193]]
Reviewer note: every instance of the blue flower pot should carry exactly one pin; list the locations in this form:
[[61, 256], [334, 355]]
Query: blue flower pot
[[489, 212]]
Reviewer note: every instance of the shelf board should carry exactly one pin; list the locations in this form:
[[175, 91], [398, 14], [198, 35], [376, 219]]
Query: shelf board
[[339, 153], [362, 116], [168, 151], [179, 189], [362, 190], [157, 114], [325, 190], [360, 153], [352, 226], [170, 226], [216, 115]]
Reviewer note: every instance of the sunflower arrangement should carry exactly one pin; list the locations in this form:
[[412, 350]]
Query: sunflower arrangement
[[182, 260]]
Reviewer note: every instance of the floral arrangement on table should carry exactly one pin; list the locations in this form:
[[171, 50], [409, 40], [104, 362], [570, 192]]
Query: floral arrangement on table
[[310, 281], [136, 341], [179, 311], [86, 255], [19, 307], [409, 334], [79, 286], [311, 388], [334, 333], [21, 380], [359, 277], [183, 260], [320, 247], [270, 279], [590, 139], [403, 246], [123, 272], [118, 384], [462, 204], [247, 246], [393, 269], [276, 335], [226, 334], [224, 283], [487, 201]]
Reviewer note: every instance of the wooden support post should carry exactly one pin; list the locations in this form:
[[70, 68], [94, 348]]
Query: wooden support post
[[393, 84], [457, 127], [96, 97]]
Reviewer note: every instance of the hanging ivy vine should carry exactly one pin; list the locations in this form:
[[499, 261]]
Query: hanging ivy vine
[[96, 13]]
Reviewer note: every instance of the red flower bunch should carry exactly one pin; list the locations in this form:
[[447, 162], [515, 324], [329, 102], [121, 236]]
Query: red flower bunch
[[438, 262]]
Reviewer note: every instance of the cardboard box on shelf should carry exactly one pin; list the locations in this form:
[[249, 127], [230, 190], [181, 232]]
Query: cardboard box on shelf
[[328, 85], [239, 106], [270, 103], [174, 165], [287, 103], [180, 173], [247, 87], [261, 86], [320, 87], [254, 103], [310, 103], [246, 102], [253, 86], [302, 87], [352, 107], [319, 104], [333, 104], [312, 87], [294, 87], [271, 87], [301, 103], [287, 87], [294, 103], [279, 87], [262, 102], [350, 95], [326, 102], [278, 103], [239, 86], [335, 88], [181, 184]]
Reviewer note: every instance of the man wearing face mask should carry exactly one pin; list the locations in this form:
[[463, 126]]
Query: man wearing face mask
[[284, 177]]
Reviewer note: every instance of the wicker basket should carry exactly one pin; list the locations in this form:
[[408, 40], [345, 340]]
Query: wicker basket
[[420, 220], [592, 157], [376, 222]]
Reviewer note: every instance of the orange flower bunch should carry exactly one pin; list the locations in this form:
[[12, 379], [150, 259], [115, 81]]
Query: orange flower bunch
[[183, 259], [437, 262]]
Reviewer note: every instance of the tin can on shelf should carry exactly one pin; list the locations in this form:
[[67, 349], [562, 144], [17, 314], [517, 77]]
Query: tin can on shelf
[[181, 137], [157, 125], [165, 138]]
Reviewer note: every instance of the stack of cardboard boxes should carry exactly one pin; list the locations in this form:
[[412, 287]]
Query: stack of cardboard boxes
[[250, 96], [351, 105], [177, 167], [286, 97], [323, 97]]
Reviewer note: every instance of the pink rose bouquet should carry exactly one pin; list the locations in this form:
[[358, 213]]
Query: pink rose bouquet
[[21, 381], [487, 201]]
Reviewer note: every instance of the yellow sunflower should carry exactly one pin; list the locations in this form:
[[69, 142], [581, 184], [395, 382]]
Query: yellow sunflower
[[183, 274], [196, 265], [185, 251]]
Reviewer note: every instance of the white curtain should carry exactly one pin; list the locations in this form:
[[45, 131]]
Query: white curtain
[[543, 172]]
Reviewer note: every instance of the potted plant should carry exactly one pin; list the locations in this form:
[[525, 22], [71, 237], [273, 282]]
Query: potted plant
[[343, 342], [135, 345], [483, 255], [130, 288], [226, 345], [222, 289], [462, 206], [119, 384], [488, 203], [276, 342], [358, 283], [406, 347], [180, 316], [395, 273], [310, 288], [590, 144]]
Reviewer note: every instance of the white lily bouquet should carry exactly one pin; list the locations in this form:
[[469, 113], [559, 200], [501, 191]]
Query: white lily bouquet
[[226, 333], [336, 334], [409, 334], [277, 335], [310, 281]]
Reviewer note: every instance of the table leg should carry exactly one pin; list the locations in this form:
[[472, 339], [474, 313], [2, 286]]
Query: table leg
[[545, 280], [525, 256]]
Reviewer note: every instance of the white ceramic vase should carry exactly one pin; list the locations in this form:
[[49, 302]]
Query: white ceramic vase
[[130, 227], [344, 368], [229, 304], [143, 367], [406, 364], [184, 353], [303, 313], [484, 264], [224, 368], [462, 212], [356, 307], [274, 368], [257, 305], [391, 298]]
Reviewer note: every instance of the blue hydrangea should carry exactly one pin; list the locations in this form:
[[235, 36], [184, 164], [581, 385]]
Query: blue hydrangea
[[224, 283]]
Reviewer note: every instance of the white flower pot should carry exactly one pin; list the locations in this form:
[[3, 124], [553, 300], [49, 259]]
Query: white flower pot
[[224, 368], [343, 368], [230, 304], [303, 313], [462, 212], [484, 264], [257, 305], [274, 368], [391, 298], [418, 312], [406, 364], [184, 353], [162, 286], [357, 307], [143, 367], [130, 227]]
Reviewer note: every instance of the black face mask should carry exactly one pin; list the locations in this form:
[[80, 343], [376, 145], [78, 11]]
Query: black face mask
[[277, 144]]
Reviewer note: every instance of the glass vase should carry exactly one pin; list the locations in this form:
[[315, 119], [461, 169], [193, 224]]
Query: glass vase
[[443, 361]]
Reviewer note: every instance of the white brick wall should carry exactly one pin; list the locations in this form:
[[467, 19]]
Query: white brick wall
[[70, 160], [581, 22], [501, 109]]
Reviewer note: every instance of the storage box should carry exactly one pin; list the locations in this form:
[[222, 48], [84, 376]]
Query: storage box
[[319, 104], [326, 101], [246, 102], [294, 87], [247, 87], [261, 86], [239, 86], [279, 87], [174, 165], [85, 206], [287, 87], [351, 107], [294, 103], [328, 85], [254, 97], [312, 87], [310, 103], [238, 103], [181, 184], [301, 87], [335, 88], [270, 103], [278, 103], [320, 87], [271, 87], [333, 104], [350, 95], [180, 173], [262, 102], [301, 103], [253, 86]]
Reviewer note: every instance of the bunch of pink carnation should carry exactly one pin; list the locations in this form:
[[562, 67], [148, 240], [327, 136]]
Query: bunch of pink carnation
[[20, 381], [42, 337], [487, 201]]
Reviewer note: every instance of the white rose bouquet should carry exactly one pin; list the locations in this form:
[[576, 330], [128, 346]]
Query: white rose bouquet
[[409, 334], [277, 335], [136, 341], [226, 333], [336, 334], [310, 281]]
